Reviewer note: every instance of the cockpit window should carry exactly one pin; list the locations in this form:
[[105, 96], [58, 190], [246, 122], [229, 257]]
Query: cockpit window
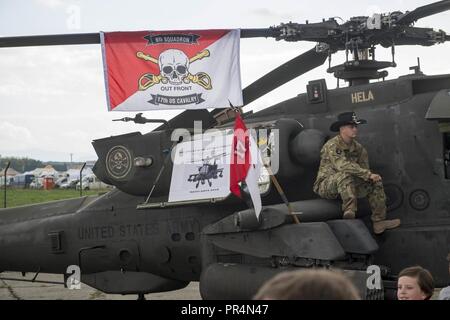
[[446, 136]]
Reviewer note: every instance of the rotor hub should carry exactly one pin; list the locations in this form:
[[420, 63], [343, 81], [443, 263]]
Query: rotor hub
[[361, 71]]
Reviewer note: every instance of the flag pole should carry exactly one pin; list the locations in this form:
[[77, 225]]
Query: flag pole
[[274, 180], [281, 193], [161, 170]]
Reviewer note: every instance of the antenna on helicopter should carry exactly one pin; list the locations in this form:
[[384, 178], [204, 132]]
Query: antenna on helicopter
[[142, 120], [416, 68]]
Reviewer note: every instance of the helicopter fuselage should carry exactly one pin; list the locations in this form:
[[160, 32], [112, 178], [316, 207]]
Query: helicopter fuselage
[[408, 150], [109, 234]]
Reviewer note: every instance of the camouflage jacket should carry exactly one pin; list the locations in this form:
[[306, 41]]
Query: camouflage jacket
[[336, 156]]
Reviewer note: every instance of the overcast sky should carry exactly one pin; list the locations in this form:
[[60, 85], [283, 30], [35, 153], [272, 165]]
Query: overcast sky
[[52, 99]]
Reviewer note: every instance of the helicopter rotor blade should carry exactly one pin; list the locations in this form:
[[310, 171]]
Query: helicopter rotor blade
[[424, 11], [50, 40], [94, 38], [284, 73]]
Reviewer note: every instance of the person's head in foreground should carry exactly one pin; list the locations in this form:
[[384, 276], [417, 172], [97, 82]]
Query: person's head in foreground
[[308, 285], [415, 283]]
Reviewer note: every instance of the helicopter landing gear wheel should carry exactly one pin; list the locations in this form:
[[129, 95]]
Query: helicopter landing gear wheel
[[141, 297]]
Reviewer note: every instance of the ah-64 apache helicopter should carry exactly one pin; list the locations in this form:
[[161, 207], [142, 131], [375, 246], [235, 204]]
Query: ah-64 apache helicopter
[[206, 172], [129, 244]]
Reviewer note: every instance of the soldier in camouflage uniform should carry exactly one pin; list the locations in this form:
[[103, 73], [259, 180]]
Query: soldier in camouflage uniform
[[344, 172]]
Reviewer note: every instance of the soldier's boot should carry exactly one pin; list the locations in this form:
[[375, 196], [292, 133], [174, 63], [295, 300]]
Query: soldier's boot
[[383, 225], [349, 206], [349, 215], [377, 201]]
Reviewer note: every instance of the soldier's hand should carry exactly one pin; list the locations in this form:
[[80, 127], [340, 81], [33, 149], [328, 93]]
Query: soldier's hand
[[375, 177]]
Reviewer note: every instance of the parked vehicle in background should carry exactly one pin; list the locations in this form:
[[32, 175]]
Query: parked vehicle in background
[[70, 184], [61, 181], [91, 182], [37, 183]]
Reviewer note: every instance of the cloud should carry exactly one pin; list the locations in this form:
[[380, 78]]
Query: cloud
[[53, 97], [49, 143], [14, 137], [372, 9], [50, 71], [264, 12], [271, 15], [50, 3]]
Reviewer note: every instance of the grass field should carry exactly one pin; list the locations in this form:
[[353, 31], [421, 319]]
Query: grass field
[[20, 197]]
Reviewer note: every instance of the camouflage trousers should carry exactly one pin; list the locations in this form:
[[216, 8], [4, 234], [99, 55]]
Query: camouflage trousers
[[350, 188]]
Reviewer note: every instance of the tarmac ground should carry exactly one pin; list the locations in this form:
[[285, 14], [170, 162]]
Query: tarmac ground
[[20, 290]]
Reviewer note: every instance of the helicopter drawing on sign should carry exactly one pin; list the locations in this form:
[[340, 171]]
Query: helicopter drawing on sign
[[207, 171]]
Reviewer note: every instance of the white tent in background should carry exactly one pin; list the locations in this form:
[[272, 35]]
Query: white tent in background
[[10, 172], [48, 170]]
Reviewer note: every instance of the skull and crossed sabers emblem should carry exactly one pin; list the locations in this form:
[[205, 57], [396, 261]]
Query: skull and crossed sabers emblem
[[174, 68], [119, 161]]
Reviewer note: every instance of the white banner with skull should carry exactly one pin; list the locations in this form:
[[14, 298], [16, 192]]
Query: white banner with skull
[[153, 70], [201, 168]]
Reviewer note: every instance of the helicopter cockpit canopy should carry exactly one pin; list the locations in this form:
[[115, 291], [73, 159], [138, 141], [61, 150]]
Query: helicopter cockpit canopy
[[439, 107]]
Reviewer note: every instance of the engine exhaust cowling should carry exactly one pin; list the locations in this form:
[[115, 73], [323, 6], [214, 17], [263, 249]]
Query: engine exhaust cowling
[[305, 147]]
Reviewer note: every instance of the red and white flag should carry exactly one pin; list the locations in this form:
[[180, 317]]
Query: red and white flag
[[151, 70], [245, 164]]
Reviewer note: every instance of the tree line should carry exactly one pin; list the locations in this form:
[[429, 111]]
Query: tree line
[[27, 164]]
